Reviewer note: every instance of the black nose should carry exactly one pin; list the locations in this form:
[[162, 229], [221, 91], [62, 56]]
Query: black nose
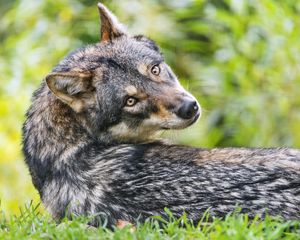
[[188, 109]]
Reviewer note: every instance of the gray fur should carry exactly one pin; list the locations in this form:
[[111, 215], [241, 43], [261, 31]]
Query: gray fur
[[89, 153]]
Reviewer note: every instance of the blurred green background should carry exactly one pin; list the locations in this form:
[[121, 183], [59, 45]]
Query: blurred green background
[[240, 58]]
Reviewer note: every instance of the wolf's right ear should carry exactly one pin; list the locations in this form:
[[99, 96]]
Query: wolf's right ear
[[73, 88], [110, 26]]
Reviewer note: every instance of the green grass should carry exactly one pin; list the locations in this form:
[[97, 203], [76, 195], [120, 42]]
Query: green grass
[[31, 224]]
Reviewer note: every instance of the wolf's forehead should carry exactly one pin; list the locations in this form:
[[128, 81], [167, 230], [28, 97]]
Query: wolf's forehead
[[133, 50], [131, 53]]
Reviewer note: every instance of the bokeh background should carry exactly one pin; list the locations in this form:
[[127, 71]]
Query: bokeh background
[[240, 58]]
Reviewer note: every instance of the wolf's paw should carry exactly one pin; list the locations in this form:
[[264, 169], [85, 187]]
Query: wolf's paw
[[122, 224]]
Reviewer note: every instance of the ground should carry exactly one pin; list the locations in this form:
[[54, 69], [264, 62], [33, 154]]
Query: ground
[[31, 224]]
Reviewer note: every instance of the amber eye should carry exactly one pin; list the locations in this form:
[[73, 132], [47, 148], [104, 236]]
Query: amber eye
[[131, 101], [155, 70]]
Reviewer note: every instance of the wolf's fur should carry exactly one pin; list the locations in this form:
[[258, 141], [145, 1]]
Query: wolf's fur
[[90, 153]]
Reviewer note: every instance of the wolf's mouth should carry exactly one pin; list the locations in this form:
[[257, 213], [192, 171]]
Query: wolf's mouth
[[184, 124]]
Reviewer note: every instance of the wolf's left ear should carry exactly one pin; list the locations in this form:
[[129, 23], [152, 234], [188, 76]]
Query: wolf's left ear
[[73, 88], [110, 26]]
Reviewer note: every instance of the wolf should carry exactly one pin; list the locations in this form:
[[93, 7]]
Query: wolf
[[91, 145]]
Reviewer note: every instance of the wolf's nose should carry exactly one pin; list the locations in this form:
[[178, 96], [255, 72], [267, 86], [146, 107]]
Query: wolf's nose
[[188, 109]]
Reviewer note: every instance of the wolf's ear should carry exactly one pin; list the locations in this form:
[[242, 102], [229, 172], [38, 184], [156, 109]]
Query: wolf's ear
[[110, 26], [73, 88]]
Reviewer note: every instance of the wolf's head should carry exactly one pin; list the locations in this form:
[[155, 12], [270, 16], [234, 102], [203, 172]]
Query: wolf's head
[[121, 87]]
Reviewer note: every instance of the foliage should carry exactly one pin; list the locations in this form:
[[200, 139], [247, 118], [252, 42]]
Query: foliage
[[242, 61], [32, 225], [239, 57]]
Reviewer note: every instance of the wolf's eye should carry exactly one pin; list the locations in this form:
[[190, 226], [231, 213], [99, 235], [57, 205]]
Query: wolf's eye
[[155, 70], [131, 101]]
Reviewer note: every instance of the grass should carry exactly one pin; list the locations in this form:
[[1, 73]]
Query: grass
[[31, 224]]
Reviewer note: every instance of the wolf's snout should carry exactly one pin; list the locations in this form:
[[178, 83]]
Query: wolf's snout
[[188, 109]]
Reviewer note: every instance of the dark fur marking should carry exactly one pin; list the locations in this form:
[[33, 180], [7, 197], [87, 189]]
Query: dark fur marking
[[148, 42]]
